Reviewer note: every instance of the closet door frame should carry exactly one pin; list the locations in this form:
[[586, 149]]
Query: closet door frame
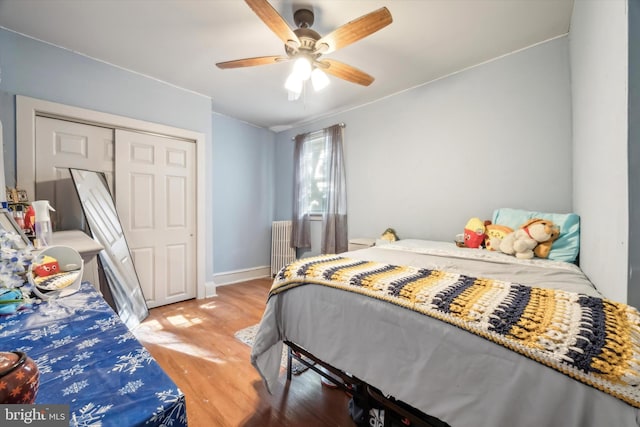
[[28, 108]]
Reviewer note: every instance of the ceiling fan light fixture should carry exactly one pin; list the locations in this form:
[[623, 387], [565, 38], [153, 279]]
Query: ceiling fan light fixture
[[305, 46], [302, 68], [319, 79]]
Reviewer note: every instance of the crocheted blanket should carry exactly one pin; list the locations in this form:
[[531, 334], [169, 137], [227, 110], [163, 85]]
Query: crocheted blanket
[[593, 340]]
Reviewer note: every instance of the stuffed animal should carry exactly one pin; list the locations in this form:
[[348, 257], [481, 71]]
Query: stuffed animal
[[389, 235], [494, 235], [474, 233], [524, 240], [543, 248]]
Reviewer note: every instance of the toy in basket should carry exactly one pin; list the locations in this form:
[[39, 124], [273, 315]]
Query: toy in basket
[[56, 272]]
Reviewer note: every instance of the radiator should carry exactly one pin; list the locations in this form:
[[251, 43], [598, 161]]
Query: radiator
[[281, 251]]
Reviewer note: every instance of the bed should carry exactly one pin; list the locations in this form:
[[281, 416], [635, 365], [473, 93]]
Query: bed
[[438, 368]]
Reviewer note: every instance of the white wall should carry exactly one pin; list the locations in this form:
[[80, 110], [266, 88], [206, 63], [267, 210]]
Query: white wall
[[598, 46], [426, 160]]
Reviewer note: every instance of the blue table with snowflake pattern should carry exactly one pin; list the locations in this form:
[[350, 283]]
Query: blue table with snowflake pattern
[[88, 359]]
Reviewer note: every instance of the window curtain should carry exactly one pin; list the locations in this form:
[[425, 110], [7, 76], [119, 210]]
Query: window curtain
[[334, 219], [300, 231], [334, 216]]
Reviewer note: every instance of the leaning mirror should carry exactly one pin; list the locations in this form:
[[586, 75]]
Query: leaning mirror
[[101, 217]]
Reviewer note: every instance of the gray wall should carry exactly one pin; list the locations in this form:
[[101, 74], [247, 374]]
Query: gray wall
[[244, 194], [634, 154], [426, 160], [599, 73]]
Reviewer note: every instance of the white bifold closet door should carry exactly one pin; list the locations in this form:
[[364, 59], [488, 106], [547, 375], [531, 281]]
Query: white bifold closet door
[[153, 179], [60, 145], [156, 199]]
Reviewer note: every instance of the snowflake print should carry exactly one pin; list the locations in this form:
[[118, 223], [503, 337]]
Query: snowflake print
[[75, 370], [37, 334], [177, 411], [82, 356], [105, 324], [61, 342], [75, 388], [5, 326], [130, 387], [24, 348], [7, 323], [44, 363], [88, 343], [82, 317], [56, 359], [90, 415], [125, 337], [132, 362]]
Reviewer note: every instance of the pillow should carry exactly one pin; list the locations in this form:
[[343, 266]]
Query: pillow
[[567, 246]]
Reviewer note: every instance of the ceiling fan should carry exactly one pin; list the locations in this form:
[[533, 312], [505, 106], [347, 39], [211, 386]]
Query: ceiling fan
[[306, 46]]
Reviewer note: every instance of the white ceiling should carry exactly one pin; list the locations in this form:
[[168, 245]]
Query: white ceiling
[[179, 42]]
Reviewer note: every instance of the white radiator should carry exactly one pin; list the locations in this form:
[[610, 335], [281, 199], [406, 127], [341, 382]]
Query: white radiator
[[281, 251]]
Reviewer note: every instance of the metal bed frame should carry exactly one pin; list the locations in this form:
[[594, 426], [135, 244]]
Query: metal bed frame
[[364, 395]]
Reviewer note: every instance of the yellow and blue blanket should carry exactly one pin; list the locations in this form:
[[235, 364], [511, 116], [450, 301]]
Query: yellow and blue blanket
[[593, 340]]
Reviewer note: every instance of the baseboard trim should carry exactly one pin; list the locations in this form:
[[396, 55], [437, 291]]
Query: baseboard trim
[[210, 289], [231, 277]]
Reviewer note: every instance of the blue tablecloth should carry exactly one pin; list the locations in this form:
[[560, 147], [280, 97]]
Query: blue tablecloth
[[88, 359]]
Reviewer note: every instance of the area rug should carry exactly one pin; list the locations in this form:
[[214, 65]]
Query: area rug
[[247, 336]]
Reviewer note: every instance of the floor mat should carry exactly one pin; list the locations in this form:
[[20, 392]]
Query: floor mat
[[247, 336]]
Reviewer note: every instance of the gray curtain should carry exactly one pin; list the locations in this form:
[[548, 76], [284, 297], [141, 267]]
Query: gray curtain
[[334, 219], [300, 234]]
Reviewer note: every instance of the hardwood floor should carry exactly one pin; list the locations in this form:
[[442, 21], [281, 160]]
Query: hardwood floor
[[194, 343]]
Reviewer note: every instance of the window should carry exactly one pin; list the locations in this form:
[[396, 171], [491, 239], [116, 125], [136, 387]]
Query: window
[[315, 174], [319, 189]]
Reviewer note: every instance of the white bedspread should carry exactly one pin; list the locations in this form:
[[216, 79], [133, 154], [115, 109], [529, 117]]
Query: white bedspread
[[462, 379]]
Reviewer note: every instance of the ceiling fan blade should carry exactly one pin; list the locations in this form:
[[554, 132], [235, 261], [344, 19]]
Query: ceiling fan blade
[[273, 20], [355, 30], [251, 62], [346, 72]]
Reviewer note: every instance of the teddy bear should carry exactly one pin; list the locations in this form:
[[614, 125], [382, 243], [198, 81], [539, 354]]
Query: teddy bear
[[543, 248], [524, 241]]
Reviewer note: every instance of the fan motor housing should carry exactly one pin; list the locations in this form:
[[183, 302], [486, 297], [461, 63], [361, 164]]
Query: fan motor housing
[[307, 38]]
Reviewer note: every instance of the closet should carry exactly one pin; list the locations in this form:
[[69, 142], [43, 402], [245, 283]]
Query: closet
[[153, 179]]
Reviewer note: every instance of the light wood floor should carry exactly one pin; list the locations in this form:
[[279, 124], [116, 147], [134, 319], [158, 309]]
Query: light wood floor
[[193, 342]]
